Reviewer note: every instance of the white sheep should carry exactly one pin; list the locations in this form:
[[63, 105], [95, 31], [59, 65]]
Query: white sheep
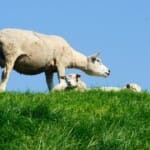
[[134, 87], [81, 86], [32, 53], [71, 81], [130, 86]]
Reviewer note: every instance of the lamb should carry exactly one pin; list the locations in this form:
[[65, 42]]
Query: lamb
[[72, 81], [130, 86], [77, 84], [134, 87], [32, 53]]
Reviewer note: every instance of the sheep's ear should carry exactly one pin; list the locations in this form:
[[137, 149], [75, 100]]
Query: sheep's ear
[[128, 86], [63, 77], [94, 56], [78, 76]]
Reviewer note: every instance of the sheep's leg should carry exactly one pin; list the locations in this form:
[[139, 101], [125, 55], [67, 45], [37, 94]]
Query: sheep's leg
[[6, 72], [61, 74], [49, 79], [61, 77]]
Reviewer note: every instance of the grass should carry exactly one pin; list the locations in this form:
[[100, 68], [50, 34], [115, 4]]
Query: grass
[[91, 120]]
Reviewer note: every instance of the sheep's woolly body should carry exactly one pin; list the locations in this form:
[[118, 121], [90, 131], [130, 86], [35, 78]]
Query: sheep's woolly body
[[32, 53], [110, 88]]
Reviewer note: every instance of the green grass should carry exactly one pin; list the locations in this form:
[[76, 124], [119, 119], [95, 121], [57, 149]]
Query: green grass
[[91, 120]]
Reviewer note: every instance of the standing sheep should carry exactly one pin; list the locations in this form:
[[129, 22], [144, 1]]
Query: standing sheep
[[32, 53]]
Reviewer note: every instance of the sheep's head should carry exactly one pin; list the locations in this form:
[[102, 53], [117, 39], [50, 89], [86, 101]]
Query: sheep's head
[[133, 87], [95, 66], [72, 80], [68, 82]]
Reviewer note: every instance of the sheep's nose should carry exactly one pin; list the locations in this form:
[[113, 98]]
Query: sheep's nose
[[69, 83], [109, 72]]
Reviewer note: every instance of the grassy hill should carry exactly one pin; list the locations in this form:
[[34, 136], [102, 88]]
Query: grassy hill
[[91, 120]]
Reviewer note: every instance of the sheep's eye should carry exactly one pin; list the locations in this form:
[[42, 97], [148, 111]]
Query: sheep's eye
[[93, 60], [98, 60]]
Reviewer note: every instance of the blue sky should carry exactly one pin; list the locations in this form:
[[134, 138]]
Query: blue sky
[[118, 29]]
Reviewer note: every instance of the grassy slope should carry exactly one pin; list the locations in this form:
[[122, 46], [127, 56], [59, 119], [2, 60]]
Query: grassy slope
[[72, 120]]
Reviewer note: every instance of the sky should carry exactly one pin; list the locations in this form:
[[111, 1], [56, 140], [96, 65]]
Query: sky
[[118, 29]]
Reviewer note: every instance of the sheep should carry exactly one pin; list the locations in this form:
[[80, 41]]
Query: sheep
[[70, 82], [81, 86], [130, 86], [63, 86], [134, 87], [32, 53]]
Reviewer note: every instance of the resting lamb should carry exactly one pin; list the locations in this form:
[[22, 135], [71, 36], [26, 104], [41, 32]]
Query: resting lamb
[[81, 86]]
